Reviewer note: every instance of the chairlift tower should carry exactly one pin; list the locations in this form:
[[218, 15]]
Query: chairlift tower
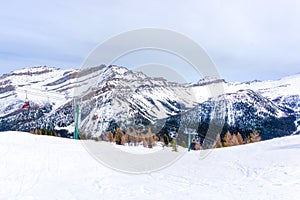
[[189, 132], [77, 107]]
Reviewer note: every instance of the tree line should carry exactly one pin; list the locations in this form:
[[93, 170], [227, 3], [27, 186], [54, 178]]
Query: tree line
[[44, 131], [149, 140], [131, 138], [231, 139]]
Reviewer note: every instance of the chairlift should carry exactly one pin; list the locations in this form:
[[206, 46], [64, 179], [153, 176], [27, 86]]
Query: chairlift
[[95, 117], [26, 104]]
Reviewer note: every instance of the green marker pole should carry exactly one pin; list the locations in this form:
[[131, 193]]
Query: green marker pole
[[189, 142], [76, 122]]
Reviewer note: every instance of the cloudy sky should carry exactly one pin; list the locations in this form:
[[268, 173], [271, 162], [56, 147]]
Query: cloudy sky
[[247, 40]]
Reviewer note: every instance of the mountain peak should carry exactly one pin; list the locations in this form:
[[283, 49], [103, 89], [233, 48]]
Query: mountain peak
[[35, 70], [209, 80]]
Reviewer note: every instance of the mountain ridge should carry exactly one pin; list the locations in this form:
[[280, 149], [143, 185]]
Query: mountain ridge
[[117, 94]]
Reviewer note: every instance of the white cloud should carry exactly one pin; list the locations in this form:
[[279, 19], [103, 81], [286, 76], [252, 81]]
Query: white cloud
[[242, 37]]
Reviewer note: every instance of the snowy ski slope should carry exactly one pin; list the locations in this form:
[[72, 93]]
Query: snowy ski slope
[[43, 167]]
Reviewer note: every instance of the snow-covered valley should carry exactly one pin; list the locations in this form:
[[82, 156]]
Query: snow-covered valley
[[43, 167]]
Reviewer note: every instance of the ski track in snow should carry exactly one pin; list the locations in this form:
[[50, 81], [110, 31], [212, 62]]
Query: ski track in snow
[[43, 167]]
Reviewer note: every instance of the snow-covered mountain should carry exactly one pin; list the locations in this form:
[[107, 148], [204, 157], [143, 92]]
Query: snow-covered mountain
[[115, 96], [243, 111]]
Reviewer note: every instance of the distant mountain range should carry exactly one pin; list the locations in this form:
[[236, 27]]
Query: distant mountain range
[[112, 96]]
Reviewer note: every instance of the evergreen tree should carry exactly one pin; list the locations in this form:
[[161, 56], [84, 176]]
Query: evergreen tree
[[254, 137], [174, 145], [227, 140], [118, 136], [150, 142], [166, 140], [156, 139], [240, 138], [234, 140], [82, 136], [110, 136], [217, 143], [124, 139], [44, 131], [145, 144], [52, 133]]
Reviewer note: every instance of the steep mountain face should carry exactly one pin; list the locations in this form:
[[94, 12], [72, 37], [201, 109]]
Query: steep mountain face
[[125, 97], [244, 112], [284, 93], [112, 96], [49, 93]]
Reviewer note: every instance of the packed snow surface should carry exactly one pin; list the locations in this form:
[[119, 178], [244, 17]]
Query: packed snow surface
[[43, 167]]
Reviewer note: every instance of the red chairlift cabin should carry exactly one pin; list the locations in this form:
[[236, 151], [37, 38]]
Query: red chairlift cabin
[[95, 117], [26, 104]]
